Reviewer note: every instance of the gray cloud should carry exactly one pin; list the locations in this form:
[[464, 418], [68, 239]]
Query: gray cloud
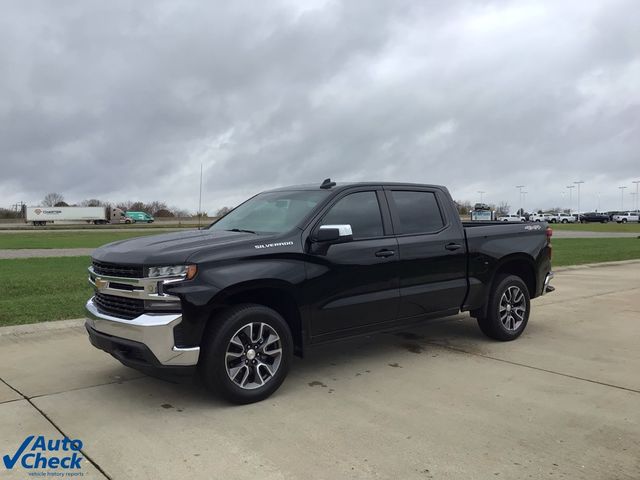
[[124, 100]]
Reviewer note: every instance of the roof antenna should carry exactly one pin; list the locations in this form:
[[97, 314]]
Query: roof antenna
[[327, 183]]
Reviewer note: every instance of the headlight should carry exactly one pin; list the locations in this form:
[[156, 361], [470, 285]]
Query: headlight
[[186, 271]]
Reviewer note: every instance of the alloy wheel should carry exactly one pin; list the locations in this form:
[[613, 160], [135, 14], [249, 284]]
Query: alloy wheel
[[253, 355], [513, 307]]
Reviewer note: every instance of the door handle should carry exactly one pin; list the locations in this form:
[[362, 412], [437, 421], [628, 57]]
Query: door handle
[[453, 246], [385, 253]]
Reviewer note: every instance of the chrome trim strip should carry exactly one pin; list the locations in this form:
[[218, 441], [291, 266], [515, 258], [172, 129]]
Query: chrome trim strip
[[153, 330], [147, 288]]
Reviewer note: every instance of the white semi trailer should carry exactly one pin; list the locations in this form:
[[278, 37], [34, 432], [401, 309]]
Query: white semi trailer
[[70, 215]]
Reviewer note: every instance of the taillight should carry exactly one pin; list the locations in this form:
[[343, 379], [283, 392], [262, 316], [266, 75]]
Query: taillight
[[549, 235]]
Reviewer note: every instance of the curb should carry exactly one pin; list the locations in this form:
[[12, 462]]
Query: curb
[[596, 265], [31, 328]]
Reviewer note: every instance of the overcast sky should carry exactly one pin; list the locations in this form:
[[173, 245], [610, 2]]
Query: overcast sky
[[123, 100]]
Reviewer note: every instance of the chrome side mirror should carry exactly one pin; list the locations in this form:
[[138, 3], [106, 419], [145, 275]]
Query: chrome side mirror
[[334, 233]]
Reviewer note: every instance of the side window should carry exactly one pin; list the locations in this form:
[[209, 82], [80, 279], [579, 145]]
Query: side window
[[418, 212], [361, 211]]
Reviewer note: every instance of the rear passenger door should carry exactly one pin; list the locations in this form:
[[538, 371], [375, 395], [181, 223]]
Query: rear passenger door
[[432, 264]]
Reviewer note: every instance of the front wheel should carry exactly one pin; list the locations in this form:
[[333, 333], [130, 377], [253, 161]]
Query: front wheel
[[508, 309], [624, 220], [247, 353]]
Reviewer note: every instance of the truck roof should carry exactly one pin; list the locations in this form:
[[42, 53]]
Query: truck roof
[[343, 185]]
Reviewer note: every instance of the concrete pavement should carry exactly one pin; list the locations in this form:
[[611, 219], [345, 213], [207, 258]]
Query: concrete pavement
[[439, 401], [44, 252], [585, 234]]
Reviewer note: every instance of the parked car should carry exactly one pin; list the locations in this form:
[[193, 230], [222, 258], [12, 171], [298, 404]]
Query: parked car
[[511, 218], [594, 217], [295, 267], [539, 217], [565, 218], [139, 217], [626, 217]]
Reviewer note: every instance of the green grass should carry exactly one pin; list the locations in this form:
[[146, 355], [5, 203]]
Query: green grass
[[42, 289], [598, 227], [577, 251], [65, 239]]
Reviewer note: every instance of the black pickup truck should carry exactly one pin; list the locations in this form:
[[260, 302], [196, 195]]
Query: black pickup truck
[[298, 266]]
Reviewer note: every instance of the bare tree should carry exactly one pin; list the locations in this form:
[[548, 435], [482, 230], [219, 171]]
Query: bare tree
[[92, 202], [464, 207], [223, 211], [50, 199], [503, 208]]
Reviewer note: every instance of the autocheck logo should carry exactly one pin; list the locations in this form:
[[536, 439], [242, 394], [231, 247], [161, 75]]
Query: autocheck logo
[[38, 453], [271, 245]]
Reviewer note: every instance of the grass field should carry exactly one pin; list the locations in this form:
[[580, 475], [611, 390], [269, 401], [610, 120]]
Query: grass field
[[576, 251], [598, 227], [41, 289], [89, 239]]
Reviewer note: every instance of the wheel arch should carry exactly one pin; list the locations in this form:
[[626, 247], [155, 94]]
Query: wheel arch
[[519, 264], [275, 294]]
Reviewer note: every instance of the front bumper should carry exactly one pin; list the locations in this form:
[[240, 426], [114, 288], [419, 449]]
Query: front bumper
[[146, 340]]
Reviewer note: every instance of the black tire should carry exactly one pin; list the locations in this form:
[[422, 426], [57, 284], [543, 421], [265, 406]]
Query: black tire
[[216, 342], [491, 324], [624, 220], [564, 220]]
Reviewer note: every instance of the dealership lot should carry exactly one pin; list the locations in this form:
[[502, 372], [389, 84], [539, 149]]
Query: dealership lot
[[439, 401]]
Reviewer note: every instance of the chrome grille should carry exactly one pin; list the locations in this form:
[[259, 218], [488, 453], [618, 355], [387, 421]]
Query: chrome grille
[[118, 270]]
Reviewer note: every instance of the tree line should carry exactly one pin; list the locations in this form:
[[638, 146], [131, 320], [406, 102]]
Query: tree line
[[156, 208]]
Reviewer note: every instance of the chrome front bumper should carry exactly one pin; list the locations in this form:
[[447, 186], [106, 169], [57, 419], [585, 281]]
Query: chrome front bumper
[[546, 287], [155, 331]]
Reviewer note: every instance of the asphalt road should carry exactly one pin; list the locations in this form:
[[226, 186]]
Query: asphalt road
[[440, 401]]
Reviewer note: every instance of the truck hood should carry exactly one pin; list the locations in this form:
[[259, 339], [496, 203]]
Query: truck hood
[[169, 248]]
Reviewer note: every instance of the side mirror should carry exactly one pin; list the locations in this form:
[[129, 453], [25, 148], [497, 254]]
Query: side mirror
[[334, 233]]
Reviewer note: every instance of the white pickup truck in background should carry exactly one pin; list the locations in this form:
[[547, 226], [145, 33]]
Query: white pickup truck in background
[[631, 217], [562, 218], [540, 217], [511, 218]]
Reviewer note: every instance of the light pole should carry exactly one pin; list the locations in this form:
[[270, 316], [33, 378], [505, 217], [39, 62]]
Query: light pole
[[579, 182], [633, 198], [637, 197], [571, 187], [598, 194], [524, 200], [481, 195], [520, 187], [622, 196]]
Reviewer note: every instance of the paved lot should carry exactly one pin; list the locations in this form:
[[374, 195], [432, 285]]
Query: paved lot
[[45, 252], [437, 402], [581, 234]]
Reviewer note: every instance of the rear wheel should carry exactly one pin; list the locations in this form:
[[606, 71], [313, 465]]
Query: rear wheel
[[246, 353], [507, 312]]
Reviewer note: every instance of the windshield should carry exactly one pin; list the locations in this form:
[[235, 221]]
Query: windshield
[[271, 212]]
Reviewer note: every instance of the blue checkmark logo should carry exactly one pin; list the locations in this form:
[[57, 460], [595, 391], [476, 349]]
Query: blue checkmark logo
[[10, 462]]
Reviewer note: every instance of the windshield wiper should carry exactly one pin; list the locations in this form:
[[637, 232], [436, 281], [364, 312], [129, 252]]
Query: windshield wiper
[[241, 230]]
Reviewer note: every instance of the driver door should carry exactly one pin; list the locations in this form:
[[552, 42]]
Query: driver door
[[355, 284]]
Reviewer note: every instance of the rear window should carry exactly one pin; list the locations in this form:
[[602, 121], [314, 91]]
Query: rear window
[[418, 212]]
